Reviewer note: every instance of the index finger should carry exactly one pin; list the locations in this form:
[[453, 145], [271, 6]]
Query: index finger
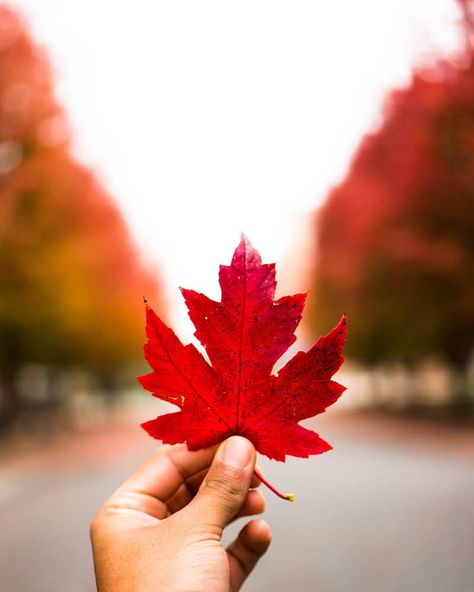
[[167, 469]]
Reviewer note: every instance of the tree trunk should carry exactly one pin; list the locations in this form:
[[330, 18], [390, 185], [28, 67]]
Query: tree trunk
[[10, 401], [462, 401]]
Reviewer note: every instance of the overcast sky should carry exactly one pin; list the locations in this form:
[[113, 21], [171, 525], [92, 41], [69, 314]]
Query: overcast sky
[[208, 118]]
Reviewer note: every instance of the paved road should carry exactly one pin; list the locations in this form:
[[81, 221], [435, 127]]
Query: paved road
[[389, 510]]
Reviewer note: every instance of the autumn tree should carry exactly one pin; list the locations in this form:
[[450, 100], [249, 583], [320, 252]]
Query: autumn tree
[[396, 236], [71, 279]]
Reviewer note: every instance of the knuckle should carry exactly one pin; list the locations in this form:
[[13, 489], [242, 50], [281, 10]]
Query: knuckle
[[98, 524], [94, 527], [227, 484]]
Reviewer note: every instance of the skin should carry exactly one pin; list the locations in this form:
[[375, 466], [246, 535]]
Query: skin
[[161, 530]]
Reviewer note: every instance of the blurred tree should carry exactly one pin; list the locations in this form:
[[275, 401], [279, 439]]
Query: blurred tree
[[396, 237], [71, 280]]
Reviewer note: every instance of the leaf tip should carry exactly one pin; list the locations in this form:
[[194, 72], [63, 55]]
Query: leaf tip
[[342, 325]]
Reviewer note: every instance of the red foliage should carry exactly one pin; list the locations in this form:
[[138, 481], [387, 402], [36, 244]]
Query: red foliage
[[244, 335], [396, 237]]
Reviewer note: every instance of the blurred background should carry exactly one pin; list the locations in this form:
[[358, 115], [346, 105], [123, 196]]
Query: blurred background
[[136, 143]]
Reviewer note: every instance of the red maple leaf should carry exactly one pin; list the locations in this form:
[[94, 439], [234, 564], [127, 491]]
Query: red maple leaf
[[244, 335]]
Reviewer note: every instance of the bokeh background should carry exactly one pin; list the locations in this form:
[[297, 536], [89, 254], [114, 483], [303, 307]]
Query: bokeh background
[[136, 143]]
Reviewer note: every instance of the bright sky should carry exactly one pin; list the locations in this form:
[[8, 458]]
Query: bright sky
[[207, 118]]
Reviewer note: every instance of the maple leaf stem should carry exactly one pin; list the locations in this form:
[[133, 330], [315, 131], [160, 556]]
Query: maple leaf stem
[[286, 496]]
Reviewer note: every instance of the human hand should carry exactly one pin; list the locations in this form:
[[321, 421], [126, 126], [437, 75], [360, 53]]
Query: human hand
[[161, 530]]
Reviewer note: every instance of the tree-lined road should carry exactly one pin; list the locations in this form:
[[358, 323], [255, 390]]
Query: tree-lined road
[[389, 510]]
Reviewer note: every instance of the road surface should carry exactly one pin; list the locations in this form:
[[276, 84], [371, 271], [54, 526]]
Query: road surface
[[390, 509]]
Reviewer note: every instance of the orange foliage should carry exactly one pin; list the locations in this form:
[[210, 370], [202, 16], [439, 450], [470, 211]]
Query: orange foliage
[[71, 279]]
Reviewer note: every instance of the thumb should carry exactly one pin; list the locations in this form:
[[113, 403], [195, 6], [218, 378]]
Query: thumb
[[226, 485]]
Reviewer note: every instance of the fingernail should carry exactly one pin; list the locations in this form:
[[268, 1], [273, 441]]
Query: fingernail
[[237, 452]]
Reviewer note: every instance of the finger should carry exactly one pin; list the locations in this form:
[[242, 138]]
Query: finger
[[166, 469], [225, 487], [195, 481], [187, 490], [150, 487], [185, 493], [180, 499], [254, 504], [244, 553], [255, 480]]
